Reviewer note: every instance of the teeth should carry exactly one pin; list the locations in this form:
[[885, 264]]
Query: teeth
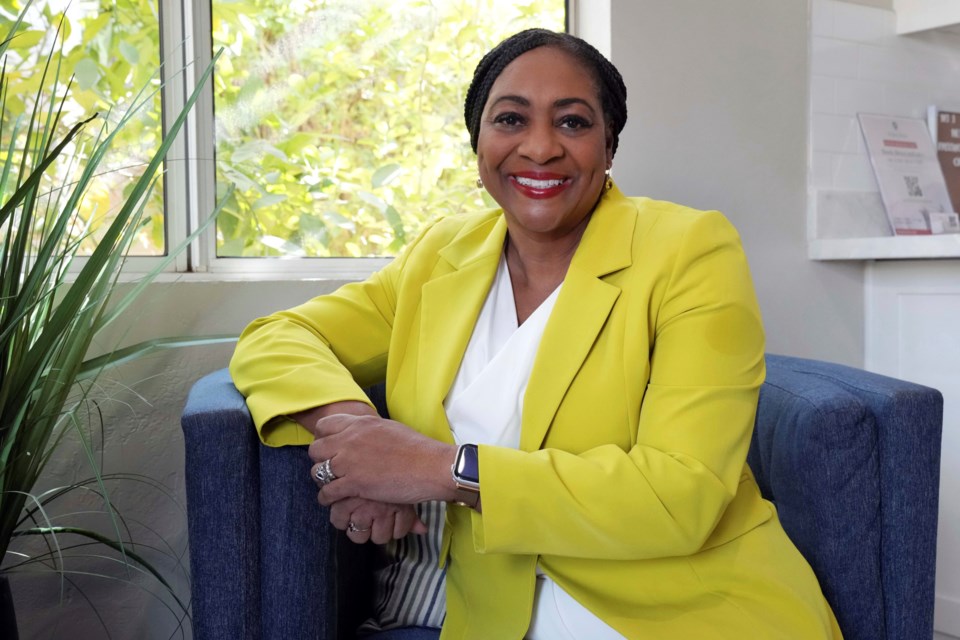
[[538, 184]]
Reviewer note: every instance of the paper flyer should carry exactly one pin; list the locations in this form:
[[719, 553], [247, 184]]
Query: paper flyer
[[908, 173]]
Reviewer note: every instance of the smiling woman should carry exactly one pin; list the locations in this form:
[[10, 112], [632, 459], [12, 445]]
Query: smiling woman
[[542, 153], [566, 449]]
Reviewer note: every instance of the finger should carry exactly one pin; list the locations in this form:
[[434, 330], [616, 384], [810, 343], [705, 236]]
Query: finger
[[358, 537], [359, 532], [340, 512], [332, 424], [323, 497], [419, 527], [404, 522], [319, 451], [322, 473], [334, 492], [382, 528]]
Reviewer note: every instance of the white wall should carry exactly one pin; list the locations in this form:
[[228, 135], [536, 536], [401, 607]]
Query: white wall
[[860, 65], [718, 102]]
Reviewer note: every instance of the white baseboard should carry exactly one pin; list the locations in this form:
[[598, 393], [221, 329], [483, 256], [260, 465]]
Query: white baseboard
[[946, 616]]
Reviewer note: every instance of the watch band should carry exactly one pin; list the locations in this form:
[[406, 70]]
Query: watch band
[[467, 497]]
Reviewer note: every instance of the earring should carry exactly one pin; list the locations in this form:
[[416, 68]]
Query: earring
[[479, 183], [609, 183]]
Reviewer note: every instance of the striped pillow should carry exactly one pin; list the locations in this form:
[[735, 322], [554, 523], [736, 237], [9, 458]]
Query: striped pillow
[[410, 588]]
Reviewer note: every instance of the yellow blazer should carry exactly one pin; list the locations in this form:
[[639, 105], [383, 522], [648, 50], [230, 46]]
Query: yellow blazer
[[630, 487]]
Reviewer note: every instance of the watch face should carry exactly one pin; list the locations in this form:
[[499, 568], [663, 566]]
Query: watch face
[[468, 463]]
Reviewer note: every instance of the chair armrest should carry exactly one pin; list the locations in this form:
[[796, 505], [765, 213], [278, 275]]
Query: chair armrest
[[297, 550], [909, 423], [265, 561], [223, 510], [851, 459]]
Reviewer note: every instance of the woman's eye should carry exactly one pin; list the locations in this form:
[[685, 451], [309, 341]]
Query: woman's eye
[[574, 122], [508, 119]]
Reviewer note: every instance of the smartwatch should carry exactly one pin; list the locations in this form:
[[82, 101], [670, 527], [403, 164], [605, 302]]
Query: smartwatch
[[466, 475]]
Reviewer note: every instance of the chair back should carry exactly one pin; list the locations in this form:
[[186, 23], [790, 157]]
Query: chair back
[[851, 459]]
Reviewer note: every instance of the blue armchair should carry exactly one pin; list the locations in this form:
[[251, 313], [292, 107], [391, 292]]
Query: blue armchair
[[850, 458]]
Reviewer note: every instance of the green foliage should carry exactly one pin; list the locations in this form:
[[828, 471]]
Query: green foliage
[[340, 122], [52, 166], [111, 49]]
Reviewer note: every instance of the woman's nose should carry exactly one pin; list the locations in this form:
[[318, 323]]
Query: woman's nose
[[541, 143]]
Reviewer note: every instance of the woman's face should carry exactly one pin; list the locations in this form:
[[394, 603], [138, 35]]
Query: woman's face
[[543, 146]]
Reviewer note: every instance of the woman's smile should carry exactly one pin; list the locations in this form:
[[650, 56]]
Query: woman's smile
[[539, 185]]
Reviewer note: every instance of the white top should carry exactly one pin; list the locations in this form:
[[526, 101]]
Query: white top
[[485, 405]]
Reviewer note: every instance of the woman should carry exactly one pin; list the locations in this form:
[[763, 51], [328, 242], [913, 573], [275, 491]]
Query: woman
[[575, 374]]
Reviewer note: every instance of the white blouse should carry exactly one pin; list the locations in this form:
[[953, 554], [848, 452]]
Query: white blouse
[[485, 405]]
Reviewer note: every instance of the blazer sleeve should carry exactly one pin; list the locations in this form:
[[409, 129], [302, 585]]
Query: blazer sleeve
[[665, 495], [323, 351]]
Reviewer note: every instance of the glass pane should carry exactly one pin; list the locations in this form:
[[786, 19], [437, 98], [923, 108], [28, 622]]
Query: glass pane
[[340, 122], [111, 50]]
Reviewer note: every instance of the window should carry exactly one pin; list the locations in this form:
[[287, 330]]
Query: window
[[339, 123], [333, 127], [112, 51]]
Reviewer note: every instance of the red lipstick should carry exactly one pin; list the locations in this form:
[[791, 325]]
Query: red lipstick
[[539, 185]]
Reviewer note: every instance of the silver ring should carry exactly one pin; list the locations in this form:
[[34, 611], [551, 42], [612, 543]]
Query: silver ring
[[324, 474], [352, 528]]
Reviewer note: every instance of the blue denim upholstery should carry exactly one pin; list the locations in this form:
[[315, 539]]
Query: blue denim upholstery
[[223, 510], [850, 458], [852, 461], [259, 542]]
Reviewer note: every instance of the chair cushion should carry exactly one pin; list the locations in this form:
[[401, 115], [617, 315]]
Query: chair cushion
[[815, 455]]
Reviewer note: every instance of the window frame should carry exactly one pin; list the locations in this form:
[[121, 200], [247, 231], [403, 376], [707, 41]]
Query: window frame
[[190, 176]]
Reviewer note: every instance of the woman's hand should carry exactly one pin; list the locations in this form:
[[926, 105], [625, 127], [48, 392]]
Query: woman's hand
[[380, 460], [376, 522], [372, 521]]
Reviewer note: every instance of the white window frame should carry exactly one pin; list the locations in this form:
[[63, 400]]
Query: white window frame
[[190, 178]]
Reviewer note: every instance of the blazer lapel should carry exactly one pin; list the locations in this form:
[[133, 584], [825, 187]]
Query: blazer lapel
[[582, 308], [450, 306]]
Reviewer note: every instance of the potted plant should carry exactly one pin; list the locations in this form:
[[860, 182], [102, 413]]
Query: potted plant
[[55, 303]]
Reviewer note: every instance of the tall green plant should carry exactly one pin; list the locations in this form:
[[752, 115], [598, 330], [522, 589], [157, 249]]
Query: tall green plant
[[52, 305]]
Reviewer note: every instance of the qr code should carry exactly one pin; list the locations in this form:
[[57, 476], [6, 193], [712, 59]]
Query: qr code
[[913, 186]]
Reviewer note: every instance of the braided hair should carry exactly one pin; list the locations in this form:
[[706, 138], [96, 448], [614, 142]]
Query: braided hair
[[610, 87]]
